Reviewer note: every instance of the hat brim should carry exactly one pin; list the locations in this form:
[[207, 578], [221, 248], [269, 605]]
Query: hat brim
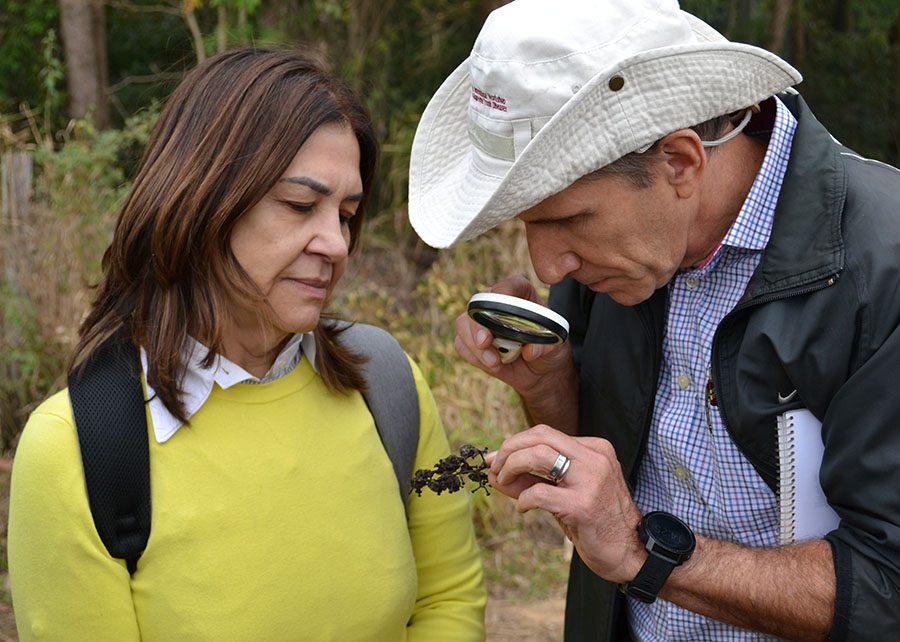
[[452, 199]]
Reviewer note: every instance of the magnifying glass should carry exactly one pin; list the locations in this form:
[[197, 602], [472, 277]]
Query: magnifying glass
[[515, 322]]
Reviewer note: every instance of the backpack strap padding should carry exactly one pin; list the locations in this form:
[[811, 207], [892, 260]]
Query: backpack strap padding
[[392, 396], [108, 407], [110, 418]]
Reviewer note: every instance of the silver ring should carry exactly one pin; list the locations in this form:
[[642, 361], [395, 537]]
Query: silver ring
[[560, 468]]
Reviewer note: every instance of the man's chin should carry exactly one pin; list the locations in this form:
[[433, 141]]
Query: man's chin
[[622, 296]]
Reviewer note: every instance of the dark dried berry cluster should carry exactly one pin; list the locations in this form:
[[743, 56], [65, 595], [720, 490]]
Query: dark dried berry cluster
[[451, 472]]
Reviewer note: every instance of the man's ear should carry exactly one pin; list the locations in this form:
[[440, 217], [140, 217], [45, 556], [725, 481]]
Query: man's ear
[[684, 160]]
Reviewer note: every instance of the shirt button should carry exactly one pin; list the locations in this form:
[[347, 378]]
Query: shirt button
[[682, 473], [692, 282], [684, 381]]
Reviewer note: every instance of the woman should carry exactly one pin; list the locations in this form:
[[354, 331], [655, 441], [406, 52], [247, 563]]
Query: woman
[[275, 512]]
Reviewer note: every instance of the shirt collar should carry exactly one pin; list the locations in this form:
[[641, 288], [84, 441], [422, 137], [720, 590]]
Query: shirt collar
[[753, 226], [197, 383]]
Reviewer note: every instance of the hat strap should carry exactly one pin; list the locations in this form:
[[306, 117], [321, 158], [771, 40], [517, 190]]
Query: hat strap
[[712, 143], [734, 132]]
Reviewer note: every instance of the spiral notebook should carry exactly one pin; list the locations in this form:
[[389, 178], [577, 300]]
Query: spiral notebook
[[805, 513]]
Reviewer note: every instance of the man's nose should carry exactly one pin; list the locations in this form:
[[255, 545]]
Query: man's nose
[[551, 261]]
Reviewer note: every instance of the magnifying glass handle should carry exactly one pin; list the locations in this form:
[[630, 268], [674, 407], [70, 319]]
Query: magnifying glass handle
[[509, 350]]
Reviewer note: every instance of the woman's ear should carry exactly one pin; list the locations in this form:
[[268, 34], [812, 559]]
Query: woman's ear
[[684, 160]]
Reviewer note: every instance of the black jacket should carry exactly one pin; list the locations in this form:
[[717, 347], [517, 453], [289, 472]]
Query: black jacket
[[820, 315]]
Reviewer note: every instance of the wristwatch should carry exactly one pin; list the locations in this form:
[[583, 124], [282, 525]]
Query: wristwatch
[[669, 543]]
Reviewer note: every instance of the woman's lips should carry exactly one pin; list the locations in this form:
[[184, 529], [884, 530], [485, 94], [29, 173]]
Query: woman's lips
[[313, 287]]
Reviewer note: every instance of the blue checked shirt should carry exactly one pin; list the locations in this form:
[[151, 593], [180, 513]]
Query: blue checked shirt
[[691, 466]]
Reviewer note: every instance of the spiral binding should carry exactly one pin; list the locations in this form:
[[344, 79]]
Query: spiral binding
[[787, 477]]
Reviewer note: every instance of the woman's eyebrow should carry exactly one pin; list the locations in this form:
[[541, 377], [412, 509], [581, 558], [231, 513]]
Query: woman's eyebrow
[[317, 186]]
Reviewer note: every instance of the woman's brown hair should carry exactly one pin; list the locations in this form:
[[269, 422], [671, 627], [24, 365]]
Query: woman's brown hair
[[225, 136]]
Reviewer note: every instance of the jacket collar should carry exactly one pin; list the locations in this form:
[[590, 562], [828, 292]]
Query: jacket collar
[[806, 245]]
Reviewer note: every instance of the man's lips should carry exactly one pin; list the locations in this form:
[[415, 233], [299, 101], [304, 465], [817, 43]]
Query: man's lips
[[596, 284]]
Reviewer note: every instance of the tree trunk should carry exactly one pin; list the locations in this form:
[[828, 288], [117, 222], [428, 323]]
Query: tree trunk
[[798, 34], [778, 26], [15, 202], [843, 16], [83, 29], [740, 20], [242, 24], [489, 5], [196, 34], [222, 29]]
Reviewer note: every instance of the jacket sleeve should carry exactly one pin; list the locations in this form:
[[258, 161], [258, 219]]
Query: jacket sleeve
[[65, 586], [861, 477], [450, 600]]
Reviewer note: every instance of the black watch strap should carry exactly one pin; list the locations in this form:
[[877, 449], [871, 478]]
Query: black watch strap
[[650, 579]]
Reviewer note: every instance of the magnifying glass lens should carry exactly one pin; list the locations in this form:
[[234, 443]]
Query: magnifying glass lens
[[518, 324]]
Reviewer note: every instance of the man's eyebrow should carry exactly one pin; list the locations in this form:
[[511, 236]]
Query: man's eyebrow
[[545, 220], [317, 186]]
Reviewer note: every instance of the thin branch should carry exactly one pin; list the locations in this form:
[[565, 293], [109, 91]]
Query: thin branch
[[149, 78], [196, 34], [142, 8]]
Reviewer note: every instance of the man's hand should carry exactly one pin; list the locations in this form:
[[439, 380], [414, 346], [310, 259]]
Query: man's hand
[[544, 375], [592, 502], [788, 591]]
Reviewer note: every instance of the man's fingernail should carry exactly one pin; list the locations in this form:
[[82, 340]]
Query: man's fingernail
[[536, 351], [489, 358], [481, 336]]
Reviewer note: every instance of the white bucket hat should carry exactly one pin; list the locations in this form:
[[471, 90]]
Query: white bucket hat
[[554, 90]]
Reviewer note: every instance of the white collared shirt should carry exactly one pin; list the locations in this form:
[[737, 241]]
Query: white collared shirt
[[198, 381]]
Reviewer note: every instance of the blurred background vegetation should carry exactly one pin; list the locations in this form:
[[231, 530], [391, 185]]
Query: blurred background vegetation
[[81, 82]]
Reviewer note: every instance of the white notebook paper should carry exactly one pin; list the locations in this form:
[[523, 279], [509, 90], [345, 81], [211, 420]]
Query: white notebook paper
[[805, 513]]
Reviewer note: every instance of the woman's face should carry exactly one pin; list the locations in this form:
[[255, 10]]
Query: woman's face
[[294, 242]]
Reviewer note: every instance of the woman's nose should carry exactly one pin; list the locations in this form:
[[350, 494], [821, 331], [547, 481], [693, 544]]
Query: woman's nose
[[332, 239]]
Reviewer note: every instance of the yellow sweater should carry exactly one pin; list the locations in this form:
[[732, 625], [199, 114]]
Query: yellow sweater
[[275, 516]]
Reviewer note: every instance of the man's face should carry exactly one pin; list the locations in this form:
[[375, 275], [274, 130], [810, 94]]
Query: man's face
[[611, 236]]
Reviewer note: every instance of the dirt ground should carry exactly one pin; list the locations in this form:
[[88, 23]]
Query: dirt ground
[[509, 621]]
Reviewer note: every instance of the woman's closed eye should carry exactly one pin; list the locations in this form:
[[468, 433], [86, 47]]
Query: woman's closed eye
[[299, 207]]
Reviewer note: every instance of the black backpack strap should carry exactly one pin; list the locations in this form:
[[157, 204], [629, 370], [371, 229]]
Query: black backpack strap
[[392, 396], [108, 407], [110, 418]]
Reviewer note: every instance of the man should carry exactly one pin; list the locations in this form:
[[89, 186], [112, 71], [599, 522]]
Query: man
[[721, 260]]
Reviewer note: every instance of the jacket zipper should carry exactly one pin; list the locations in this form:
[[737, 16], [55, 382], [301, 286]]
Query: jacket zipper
[[714, 368]]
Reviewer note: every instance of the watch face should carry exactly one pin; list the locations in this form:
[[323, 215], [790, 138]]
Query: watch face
[[669, 531]]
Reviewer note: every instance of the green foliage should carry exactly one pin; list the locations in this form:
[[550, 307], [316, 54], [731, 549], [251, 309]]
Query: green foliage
[[23, 26], [848, 53], [79, 186], [375, 44], [51, 77], [852, 79], [148, 53]]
